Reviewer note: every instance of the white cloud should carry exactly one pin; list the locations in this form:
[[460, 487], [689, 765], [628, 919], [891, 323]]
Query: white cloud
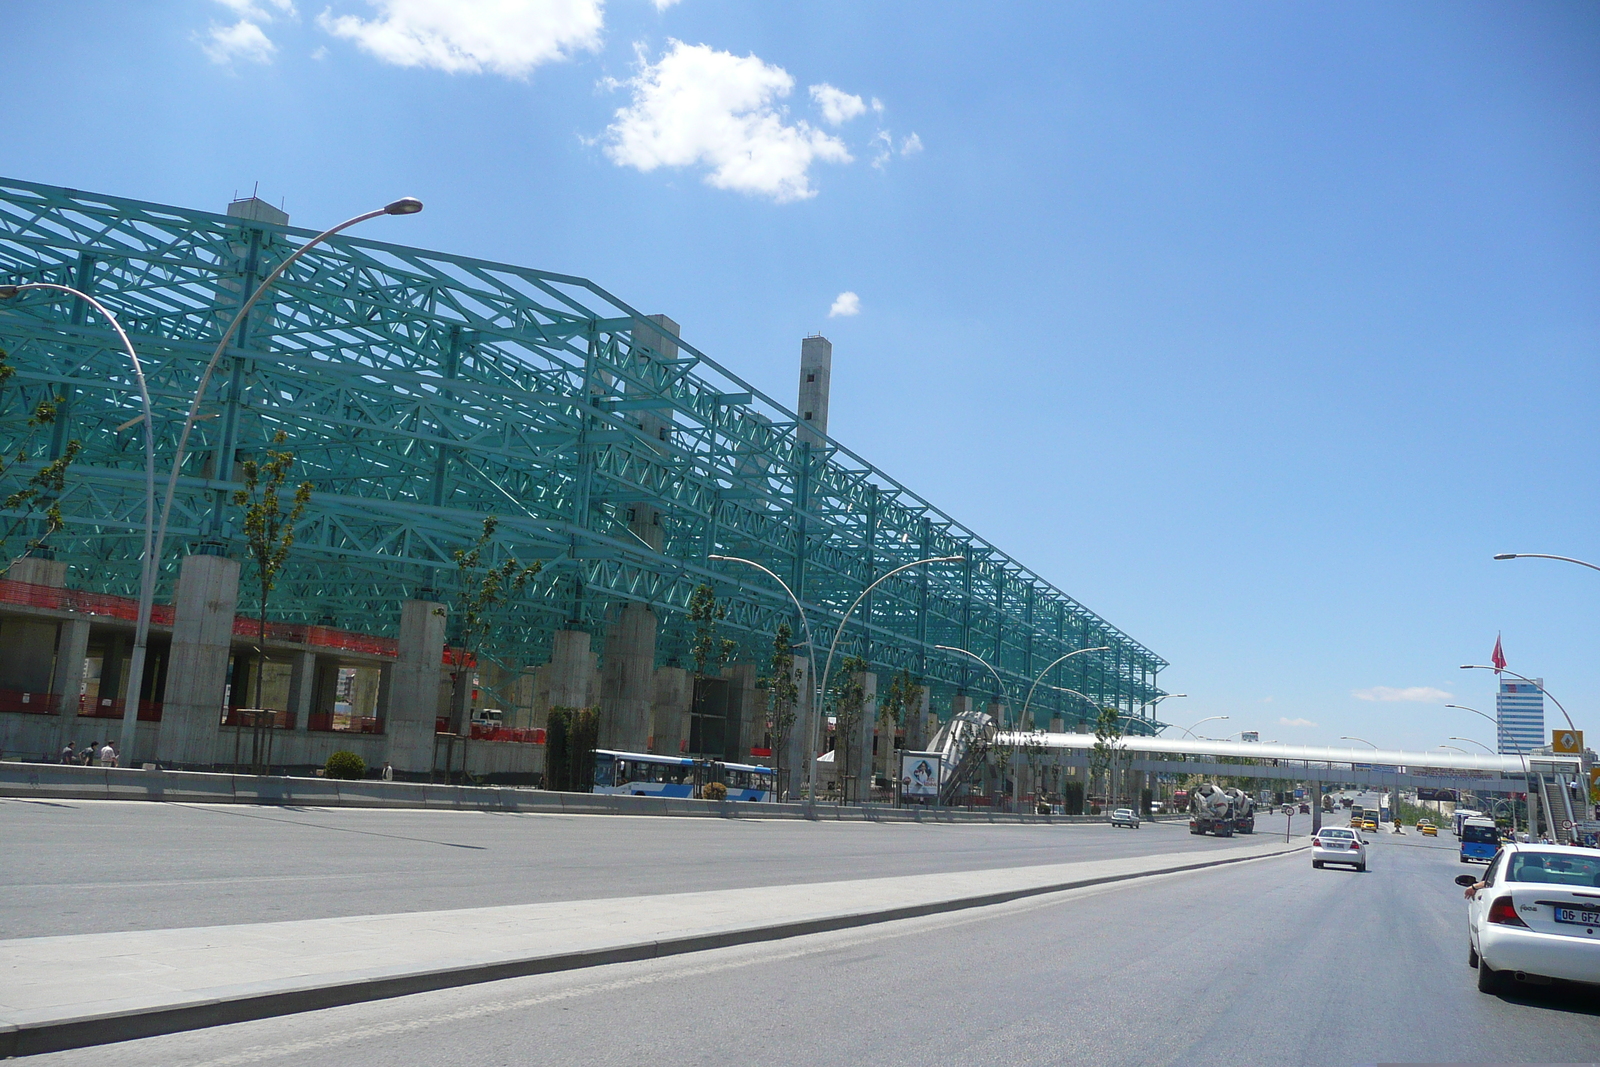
[[242, 41], [882, 145], [472, 36], [251, 11], [845, 304], [911, 145], [662, 5], [1415, 694], [700, 106], [1282, 721], [838, 106]]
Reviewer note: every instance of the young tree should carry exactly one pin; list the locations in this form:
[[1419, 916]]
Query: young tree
[[895, 707], [710, 651], [47, 483], [268, 530], [1102, 758], [849, 698], [783, 695], [482, 589]]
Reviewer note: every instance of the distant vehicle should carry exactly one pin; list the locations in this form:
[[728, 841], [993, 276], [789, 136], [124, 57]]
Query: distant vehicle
[[1335, 844], [1211, 810], [1534, 917], [1461, 815], [1428, 829], [1125, 817], [645, 774], [1480, 840], [1369, 824], [1346, 802], [1357, 814]]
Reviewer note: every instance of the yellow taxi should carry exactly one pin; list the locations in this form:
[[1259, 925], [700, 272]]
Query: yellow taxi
[[1427, 828], [1370, 824]]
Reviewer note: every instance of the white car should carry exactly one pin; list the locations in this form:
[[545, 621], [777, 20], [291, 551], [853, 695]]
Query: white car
[[1338, 844], [1535, 916], [1125, 817]]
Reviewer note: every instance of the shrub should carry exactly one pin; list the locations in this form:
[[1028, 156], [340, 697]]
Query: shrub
[[345, 765], [714, 791]]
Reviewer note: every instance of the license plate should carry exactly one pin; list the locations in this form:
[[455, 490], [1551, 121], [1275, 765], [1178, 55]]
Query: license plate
[[1332, 843], [1581, 918]]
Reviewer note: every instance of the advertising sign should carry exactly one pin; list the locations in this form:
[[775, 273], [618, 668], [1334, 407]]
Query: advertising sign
[[1594, 785], [1567, 742], [1250, 735], [919, 774]]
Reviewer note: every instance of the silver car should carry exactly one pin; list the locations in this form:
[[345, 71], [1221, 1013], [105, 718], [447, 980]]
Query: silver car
[[1125, 817]]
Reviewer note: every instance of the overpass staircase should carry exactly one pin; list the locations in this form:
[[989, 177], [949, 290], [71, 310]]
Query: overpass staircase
[[962, 744], [1555, 783]]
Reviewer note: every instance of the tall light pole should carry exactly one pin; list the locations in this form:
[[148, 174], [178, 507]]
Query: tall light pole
[[1190, 729], [1470, 741], [1525, 678], [1004, 692], [1527, 773], [147, 566], [1363, 740], [1541, 555], [1022, 719], [821, 689], [136, 661]]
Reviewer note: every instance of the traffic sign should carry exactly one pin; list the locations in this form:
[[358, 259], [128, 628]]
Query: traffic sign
[[1567, 742]]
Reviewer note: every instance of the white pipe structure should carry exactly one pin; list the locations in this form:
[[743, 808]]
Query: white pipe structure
[[1525, 678], [147, 565], [136, 661], [820, 685], [1022, 719], [1542, 555]]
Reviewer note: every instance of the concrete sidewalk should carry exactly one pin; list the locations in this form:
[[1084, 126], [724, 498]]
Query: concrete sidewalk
[[66, 992]]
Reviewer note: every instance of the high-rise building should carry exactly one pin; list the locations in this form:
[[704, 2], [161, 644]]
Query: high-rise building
[[1520, 707]]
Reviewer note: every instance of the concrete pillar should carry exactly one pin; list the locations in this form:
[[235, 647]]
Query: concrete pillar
[[1316, 806], [572, 678], [857, 766], [671, 702], [816, 371], [414, 704], [197, 675], [37, 571], [745, 718], [627, 679], [72, 649], [661, 334], [917, 733], [302, 686]]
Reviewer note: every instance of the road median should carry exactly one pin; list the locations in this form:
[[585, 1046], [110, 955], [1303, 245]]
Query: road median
[[71, 991]]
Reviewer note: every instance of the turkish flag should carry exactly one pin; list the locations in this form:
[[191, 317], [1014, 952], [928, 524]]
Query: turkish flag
[[1499, 658]]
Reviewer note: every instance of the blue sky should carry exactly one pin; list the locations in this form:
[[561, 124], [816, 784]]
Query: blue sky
[[1258, 328]]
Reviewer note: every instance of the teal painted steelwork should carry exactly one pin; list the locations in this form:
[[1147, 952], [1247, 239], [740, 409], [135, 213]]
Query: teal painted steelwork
[[421, 391]]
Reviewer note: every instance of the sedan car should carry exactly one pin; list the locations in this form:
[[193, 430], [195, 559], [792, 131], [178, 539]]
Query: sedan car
[[1535, 916], [1370, 824], [1125, 817], [1337, 844], [1428, 829]]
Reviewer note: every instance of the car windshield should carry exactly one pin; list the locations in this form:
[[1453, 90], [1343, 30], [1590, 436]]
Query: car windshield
[[1555, 867]]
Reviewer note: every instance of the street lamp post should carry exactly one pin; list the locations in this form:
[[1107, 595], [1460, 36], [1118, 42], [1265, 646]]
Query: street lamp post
[[136, 661], [1527, 772], [821, 684], [1525, 678], [1190, 729], [147, 566], [1470, 741], [1541, 555], [1022, 719]]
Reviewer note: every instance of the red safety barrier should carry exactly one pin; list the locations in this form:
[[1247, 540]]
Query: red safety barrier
[[30, 703], [105, 708]]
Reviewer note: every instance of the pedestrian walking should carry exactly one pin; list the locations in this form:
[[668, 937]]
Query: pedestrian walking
[[86, 755], [108, 755], [388, 772], [70, 753]]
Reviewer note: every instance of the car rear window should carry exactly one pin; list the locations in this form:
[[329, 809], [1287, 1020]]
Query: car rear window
[[1337, 833], [1557, 868]]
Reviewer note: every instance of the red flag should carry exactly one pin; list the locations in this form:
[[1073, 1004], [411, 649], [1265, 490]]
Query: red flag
[[1499, 659]]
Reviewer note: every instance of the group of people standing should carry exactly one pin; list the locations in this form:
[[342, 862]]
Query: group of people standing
[[90, 755]]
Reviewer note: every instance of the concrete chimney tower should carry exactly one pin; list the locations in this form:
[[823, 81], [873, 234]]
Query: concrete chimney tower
[[816, 368]]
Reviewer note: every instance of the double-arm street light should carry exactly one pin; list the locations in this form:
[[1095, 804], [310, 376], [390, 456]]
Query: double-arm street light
[[147, 566], [1530, 681], [1190, 729], [1470, 741], [136, 661], [1526, 783], [820, 684], [1022, 720]]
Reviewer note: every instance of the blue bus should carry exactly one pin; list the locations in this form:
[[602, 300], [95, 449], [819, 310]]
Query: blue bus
[[650, 774], [1480, 840]]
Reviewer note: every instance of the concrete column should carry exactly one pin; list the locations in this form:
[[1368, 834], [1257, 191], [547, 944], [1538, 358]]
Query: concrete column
[[917, 734], [572, 671], [627, 679], [36, 571], [816, 372], [197, 674], [1316, 806], [414, 704], [302, 686], [744, 717], [857, 787], [660, 333], [72, 648], [671, 703]]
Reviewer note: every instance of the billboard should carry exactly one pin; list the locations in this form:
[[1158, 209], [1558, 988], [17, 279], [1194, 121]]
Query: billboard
[[1250, 735], [1566, 742], [919, 774]]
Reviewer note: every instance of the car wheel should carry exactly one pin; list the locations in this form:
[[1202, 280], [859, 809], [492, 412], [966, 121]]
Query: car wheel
[[1362, 867], [1489, 979], [1472, 953], [1317, 864]]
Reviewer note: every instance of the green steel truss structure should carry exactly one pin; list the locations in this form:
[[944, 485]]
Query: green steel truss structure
[[422, 391]]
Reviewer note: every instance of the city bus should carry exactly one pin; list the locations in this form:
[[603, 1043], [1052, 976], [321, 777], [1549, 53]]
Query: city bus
[[1480, 840], [649, 774], [1461, 815]]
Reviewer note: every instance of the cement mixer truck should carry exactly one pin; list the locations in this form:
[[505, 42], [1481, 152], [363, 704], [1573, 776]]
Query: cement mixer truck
[[1211, 810], [1244, 811]]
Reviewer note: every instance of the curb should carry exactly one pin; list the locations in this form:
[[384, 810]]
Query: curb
[[111, 1027]]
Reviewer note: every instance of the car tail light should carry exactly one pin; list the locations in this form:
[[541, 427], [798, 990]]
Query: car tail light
[[1503, 911], [1316, 842]]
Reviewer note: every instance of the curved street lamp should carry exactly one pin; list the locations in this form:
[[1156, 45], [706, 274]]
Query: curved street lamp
[[1470, 741], [1363, 740], [820, 689], [1190, 729], [1023, 718], [1004, 691], [1541, 555], [1453, 748], [1525, 678], [408, 205], [147, 567]]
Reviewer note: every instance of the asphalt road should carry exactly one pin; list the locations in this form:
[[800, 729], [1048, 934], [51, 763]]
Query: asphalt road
[[94, 866], [1263, 962]]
